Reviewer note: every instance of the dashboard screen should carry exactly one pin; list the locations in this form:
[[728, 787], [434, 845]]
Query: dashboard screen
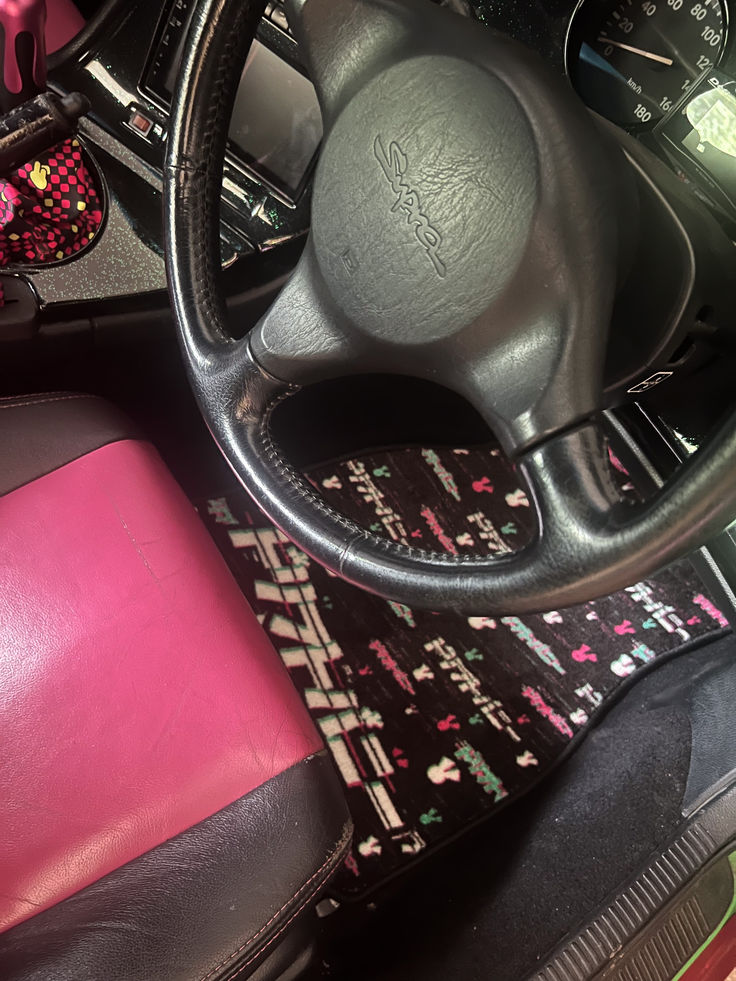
[[276, 122], [276, 128]]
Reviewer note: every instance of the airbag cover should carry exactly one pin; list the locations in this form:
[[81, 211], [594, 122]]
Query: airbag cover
[[424, 199]]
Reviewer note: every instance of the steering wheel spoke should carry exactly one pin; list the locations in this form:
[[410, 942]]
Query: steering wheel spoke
[[299, 339], [542, 377], [344, 44], [592, 541], [570, 476]]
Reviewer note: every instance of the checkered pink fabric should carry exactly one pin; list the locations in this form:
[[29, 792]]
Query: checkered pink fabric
[[49, 208]]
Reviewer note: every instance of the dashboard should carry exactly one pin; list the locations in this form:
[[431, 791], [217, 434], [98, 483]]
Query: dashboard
[[125, 63], [276, 128], [664, 70]]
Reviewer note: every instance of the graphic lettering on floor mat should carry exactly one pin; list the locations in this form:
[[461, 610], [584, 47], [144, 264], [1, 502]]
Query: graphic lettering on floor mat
[[434, 721]]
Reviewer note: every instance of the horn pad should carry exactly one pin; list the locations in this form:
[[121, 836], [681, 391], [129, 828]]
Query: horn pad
[[424, 199]]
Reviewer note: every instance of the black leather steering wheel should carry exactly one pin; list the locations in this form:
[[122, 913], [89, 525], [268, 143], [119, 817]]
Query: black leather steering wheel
[[465, 229]]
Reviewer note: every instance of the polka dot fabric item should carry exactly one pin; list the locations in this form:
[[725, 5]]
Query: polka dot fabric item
[[49, 208]]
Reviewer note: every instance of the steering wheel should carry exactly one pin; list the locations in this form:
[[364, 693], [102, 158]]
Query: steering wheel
[[465, 229]]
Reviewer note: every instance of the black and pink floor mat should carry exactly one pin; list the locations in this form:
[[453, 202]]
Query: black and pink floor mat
[[434, 721]]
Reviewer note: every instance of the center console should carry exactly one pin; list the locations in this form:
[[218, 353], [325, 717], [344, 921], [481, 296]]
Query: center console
[[274, 141]]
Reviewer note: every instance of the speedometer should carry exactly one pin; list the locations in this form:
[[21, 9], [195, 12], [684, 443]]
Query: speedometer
[[631, 60]]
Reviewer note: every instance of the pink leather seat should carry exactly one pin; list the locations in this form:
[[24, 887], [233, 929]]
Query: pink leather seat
[[166, 807]]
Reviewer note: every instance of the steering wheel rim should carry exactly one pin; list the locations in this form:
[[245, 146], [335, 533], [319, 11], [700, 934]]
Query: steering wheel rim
[[589, 541]]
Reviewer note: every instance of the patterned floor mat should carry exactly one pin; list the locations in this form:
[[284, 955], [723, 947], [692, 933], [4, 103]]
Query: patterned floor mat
[[435, 720]]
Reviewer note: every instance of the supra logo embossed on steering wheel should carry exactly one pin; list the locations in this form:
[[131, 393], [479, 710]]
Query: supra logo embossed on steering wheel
[[417, 204], [394, 164]]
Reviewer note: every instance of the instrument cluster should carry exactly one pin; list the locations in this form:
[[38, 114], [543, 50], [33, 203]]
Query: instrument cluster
[[632, 61]]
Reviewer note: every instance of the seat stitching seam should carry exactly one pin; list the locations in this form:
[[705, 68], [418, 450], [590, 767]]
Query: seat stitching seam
[[19, 404], [277, 935], [334, 854]]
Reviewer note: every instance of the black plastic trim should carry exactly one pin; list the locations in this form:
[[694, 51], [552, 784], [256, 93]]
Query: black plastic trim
[[648, 908]]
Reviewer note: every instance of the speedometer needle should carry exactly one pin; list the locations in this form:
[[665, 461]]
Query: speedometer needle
[[638, 51]]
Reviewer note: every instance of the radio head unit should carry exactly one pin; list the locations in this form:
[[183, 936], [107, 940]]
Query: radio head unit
[[276, 127]]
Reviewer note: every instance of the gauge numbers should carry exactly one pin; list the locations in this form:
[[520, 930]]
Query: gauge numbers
[[633, 60]]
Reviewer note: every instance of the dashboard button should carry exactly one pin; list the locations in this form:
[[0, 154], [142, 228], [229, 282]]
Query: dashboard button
[[140, 123], [278, 17]]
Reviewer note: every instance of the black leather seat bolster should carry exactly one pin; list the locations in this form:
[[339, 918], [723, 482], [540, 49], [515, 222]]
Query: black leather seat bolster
[[40, 433], [247, 873]]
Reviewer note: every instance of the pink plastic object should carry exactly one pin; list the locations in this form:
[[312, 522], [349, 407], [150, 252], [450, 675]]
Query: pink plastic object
[[23, 26]]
